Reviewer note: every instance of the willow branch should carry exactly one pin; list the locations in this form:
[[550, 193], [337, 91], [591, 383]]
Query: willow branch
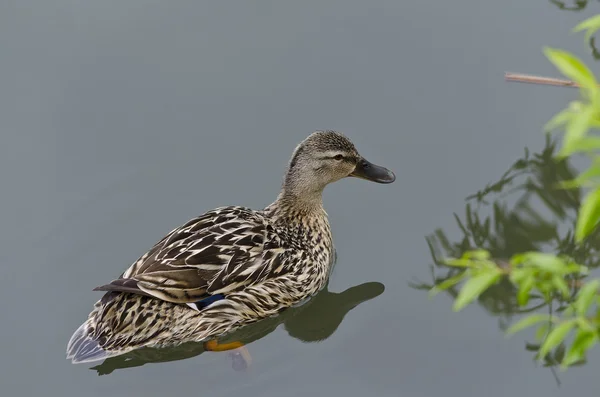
[[527, 78]]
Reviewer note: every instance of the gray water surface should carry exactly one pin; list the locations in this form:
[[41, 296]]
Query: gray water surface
[[123, 119]]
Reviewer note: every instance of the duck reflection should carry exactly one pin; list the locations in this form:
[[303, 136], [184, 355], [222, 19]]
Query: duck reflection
[[314, 321]]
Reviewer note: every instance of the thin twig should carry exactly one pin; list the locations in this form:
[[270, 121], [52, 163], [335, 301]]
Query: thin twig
[[527, 78]]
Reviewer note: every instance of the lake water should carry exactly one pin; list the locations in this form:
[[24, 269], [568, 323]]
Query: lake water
[[123, 119]]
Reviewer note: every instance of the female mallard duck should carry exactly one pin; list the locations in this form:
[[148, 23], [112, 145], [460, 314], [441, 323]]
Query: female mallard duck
[[229, 267]]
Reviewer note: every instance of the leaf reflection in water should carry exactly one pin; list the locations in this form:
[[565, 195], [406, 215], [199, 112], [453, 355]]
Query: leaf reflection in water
[[525, 210]]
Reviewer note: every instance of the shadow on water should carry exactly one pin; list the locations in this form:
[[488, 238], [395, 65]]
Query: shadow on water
[[579, 6], [541, 217], [314, 321], [572, 5]]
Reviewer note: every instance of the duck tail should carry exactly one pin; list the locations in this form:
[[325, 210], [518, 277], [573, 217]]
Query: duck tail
[[82, 348]]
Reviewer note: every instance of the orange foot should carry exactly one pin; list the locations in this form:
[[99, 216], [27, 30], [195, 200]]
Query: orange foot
[[214, 346], [240, 356]]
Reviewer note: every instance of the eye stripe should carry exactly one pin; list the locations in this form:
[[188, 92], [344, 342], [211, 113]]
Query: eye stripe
[[332, 156]]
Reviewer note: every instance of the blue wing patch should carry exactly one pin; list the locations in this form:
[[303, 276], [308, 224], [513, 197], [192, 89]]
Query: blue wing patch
[[202, 303]]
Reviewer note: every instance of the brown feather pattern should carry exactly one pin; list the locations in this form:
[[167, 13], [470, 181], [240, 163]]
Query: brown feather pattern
[[220, 251]]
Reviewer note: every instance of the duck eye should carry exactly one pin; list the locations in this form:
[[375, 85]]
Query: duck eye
[[338, 157]]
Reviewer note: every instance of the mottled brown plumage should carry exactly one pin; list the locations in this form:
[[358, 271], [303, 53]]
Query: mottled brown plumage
[[230, 266]]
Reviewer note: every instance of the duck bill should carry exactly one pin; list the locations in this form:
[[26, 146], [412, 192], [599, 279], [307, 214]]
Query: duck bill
[[372, 172]]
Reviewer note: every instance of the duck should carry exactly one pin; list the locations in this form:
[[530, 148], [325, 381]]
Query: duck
[[230, 266]]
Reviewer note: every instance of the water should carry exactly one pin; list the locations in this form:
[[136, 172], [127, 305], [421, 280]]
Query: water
[[123, 119]]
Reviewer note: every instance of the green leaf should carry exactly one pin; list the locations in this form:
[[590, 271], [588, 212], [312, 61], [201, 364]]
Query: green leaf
[[446, 284], [518, 275], [555, 337], [517, 259], [475, 286], [524, 289], [548, 262], [567, 311], [590, 25], [528, 322], [585, 324], [571, 66], [477, 254], [587, 144], [541, 331], [561, 285], [583, 341], [575, 268], [589, 215], [592, 172], [559, 119], [586, 296], [595, 123], [459, 262], [576, 129]]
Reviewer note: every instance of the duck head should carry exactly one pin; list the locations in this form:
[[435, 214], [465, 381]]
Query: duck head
[[325, 157]]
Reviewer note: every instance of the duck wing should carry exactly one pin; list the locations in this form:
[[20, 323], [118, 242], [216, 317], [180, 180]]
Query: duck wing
[[218, 252]]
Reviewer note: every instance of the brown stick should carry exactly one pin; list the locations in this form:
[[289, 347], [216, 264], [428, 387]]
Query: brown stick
[[527, 78]]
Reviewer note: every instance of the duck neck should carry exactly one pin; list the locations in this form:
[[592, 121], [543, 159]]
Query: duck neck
[[298, 199]]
